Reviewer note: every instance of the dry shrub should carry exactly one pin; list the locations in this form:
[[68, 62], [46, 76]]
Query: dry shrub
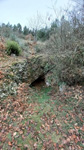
[[32, 46], [29, 37], [2, 46]]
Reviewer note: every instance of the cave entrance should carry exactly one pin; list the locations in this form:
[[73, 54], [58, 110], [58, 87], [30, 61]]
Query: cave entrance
[[39, 82]]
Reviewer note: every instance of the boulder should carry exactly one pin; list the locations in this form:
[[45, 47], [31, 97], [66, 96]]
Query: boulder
[[31, 69]]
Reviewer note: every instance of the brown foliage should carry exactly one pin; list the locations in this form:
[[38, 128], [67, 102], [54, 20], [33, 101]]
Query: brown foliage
[[29, 37], [2, 46], [2, 43]]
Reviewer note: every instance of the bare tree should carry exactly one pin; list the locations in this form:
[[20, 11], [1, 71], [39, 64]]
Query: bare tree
[[79, 10]]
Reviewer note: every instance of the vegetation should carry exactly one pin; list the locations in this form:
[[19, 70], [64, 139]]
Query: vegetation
[[42, 93], [43, 34], [13, 48], [42, 120]]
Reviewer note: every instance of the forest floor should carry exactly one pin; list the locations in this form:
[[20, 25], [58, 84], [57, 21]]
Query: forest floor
[[41, 119]]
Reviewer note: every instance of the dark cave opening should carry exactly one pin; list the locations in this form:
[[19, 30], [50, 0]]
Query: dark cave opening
[[39, 82]]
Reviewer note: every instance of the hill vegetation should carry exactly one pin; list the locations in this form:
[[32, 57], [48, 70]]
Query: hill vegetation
[[42, 85]]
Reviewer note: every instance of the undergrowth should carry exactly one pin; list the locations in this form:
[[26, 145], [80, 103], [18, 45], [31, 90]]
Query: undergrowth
[[12, 47]]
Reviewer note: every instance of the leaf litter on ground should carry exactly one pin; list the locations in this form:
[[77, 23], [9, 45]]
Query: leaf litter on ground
[[42, 120]]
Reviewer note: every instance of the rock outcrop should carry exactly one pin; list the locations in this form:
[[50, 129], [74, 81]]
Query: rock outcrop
[[31, 69]]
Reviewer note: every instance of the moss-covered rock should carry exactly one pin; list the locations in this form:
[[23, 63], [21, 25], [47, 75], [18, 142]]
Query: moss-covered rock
[[30, 70], [56, 69]]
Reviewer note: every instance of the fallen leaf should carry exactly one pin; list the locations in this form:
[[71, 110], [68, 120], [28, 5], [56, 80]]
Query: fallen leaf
[[14, 134], [73, 136], [9, 143]]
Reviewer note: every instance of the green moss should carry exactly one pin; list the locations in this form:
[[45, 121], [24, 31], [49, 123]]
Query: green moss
[[9, 136], [55, 138]]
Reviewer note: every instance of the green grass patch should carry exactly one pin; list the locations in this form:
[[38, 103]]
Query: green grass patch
[[41, 96], [55, 138], [9, 136]]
